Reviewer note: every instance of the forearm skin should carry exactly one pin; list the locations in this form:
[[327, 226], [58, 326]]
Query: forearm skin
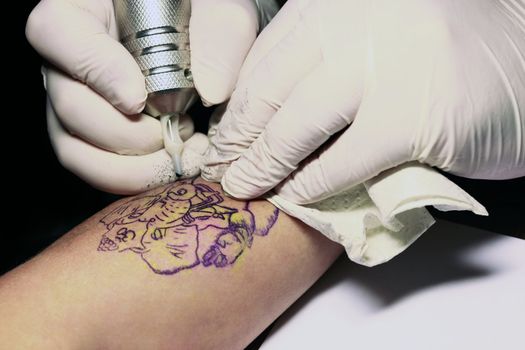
[[181, 267]]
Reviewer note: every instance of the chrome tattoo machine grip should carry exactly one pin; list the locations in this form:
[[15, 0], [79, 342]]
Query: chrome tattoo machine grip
[[156, 33]]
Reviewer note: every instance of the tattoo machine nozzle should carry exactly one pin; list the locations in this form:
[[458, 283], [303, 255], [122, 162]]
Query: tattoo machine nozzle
[[156, 33]]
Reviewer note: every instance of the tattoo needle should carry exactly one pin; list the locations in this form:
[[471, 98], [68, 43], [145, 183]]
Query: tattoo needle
[[156, 33], [172, 141]]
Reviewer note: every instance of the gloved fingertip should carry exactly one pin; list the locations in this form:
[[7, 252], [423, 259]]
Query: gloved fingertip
[[198, 143], [227, 193], [36, 24], [193, 155], [230, 191], [205, 102], [240, 184], [129, 99], [186, 127], [116, 76], [208, 174], [190, 164], [214, 86], [215, 164], [292, 193], [221, 34]]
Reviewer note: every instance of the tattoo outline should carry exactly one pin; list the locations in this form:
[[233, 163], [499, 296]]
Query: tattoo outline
[[183, 226]]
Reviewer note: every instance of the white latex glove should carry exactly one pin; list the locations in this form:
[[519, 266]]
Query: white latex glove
[[438, 81], [97, 92]]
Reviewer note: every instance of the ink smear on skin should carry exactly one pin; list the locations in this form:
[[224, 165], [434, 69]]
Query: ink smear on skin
[[182, 227]]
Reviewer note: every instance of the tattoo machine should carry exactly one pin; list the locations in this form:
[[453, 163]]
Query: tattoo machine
[[156, 33]]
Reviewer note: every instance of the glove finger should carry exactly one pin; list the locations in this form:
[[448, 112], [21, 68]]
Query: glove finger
[[186, 127], [105, 170], [358, 154], [193, 155], [257, 99], [308, 119], [221, 34], [78, 36], [89, 116], [281, 25]]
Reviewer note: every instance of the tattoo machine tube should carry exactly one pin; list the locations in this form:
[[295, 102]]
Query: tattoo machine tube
[[156, 33]]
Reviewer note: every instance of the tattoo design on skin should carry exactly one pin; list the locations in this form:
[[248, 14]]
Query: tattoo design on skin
[[182, 227]]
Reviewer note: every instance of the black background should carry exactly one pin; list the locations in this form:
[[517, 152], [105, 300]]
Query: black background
[[41, 200]]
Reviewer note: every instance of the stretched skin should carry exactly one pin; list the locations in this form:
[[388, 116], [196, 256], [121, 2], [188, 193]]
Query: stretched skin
[[209, 274]]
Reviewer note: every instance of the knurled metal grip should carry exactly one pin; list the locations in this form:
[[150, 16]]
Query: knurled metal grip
[[156, 34]]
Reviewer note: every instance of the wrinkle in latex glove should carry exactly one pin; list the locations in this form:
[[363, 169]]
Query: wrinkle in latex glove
[[439, 82]]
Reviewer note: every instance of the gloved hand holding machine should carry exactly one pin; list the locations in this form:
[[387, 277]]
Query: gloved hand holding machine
[[412, 94]]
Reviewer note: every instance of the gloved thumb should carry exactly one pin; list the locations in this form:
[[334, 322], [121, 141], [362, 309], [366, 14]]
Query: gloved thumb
[[221, 34], [373, 143]]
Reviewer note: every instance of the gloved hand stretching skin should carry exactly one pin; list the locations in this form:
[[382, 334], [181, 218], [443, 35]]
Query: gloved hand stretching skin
[[97, 92], [437, 81]]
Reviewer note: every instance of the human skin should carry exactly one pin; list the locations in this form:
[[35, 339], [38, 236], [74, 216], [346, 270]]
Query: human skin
[[179, 267]]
